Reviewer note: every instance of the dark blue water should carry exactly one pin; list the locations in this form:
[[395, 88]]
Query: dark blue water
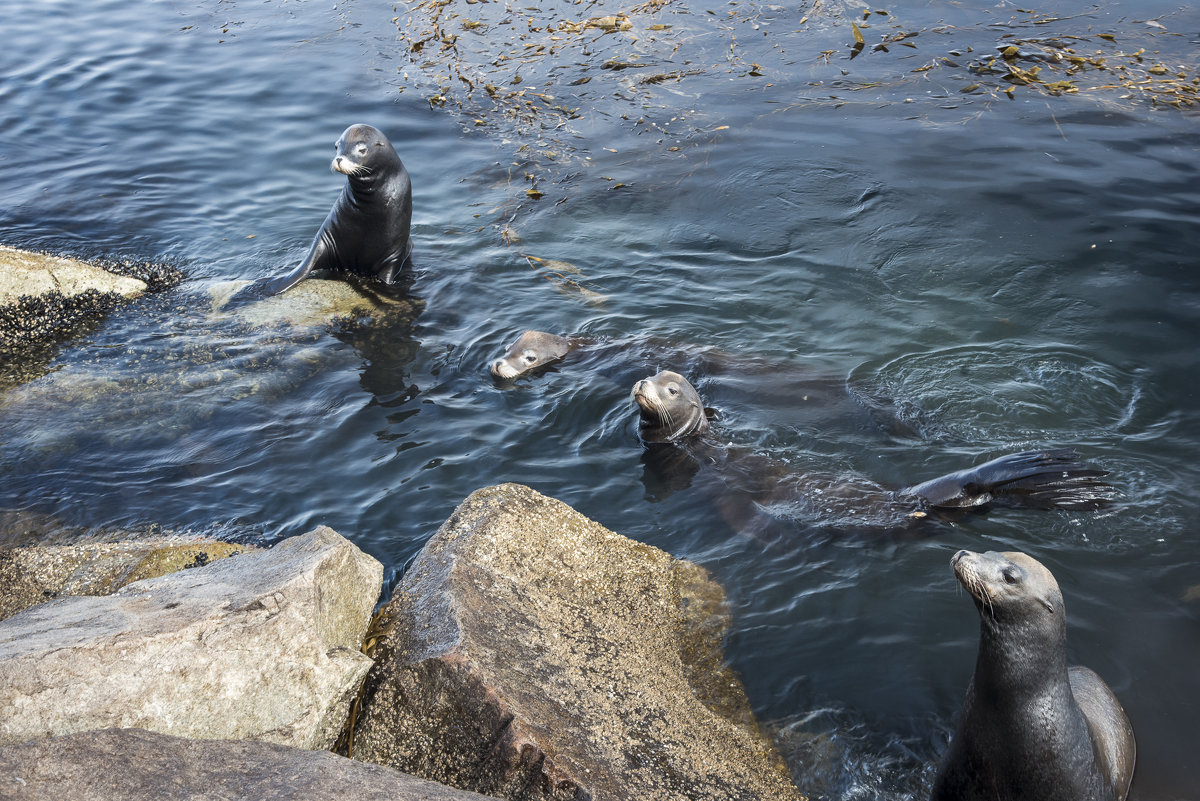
[[868, 272]]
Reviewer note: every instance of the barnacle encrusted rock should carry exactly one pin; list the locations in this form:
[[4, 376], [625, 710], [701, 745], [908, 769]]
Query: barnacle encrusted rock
[[535, 654]]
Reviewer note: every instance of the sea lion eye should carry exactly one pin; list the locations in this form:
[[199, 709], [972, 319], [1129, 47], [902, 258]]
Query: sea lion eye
[[1010, 575], [529, 357], [672, 391], [360, 149]]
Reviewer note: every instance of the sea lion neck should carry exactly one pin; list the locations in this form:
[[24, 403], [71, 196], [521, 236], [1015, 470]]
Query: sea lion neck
[[1020, 656]]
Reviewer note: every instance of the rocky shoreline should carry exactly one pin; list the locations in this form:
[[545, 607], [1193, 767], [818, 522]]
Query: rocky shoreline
[[528, 653]]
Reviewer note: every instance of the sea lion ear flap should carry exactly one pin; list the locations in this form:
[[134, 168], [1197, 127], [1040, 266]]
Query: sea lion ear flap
[[1047, 602]]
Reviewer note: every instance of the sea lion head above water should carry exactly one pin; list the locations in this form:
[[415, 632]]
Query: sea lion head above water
[[532, 350], [365, 154], [1032, 726], [1011, 586], [670, 407]]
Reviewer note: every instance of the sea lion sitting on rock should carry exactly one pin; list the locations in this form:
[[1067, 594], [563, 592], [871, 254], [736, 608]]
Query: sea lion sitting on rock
[[1032, 727], [671, 412], [367, 231]]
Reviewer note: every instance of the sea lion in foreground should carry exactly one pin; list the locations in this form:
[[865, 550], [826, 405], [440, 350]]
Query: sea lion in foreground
[[367, 230], [1032, 727], [671, 412], [670, 408]]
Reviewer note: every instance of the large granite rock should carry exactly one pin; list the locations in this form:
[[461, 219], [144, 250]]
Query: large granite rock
[[261, 646], [138, 765], [536, 655], [36, 574]]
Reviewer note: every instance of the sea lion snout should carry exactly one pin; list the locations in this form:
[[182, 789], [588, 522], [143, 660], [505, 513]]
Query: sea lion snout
[[345, 166], [502, 369]]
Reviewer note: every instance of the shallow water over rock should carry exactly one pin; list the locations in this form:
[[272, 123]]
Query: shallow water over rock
[[863, 268]]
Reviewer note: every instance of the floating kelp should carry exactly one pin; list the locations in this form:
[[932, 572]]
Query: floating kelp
[[561, 82], [556, 271], [1061, 55], [546, 75]]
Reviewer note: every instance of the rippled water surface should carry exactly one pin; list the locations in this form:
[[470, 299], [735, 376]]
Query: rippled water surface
[[867, 271]]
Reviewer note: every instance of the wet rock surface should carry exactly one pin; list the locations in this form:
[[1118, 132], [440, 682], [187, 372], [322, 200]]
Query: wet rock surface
[[264, 645], [31, 274], [312, 302], [138, 765], [46, 299], [534, 654]]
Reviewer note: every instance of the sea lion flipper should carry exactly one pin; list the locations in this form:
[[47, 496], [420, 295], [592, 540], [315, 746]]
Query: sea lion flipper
[[264, 288], [318, 254], [1046, 479], [1112, 734]]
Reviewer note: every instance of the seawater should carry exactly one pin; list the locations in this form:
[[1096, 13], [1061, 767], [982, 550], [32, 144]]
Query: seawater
[[865, 269]]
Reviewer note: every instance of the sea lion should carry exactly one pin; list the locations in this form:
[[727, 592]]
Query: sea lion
[[367, 231], [531, 351], [671, 411], [670, 408], [1032, 727]]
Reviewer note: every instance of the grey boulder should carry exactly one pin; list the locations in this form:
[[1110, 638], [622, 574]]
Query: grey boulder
[[263, 645], [35, 574], [535, 654], [138, 765]]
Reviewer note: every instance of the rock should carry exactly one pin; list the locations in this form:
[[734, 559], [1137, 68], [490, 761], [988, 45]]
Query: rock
[[138, 765], [32, 274], [36, 574], [261, 646], [536, 655], [44, 299], [312, 302]]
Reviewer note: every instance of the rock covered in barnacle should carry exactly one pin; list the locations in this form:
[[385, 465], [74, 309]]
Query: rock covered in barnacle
[[534, 654]]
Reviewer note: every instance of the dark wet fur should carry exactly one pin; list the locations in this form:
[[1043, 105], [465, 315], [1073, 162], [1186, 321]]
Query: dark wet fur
[[1046, 479]]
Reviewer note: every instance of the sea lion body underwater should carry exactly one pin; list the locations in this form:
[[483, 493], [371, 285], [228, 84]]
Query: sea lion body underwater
[[367, 231], [1031, 727], [671, 412]]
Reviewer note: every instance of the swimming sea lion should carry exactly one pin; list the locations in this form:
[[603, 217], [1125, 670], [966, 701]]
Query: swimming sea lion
[[532, 350], [367, 230], [670, 408], [671, 412], [1032, 727]]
